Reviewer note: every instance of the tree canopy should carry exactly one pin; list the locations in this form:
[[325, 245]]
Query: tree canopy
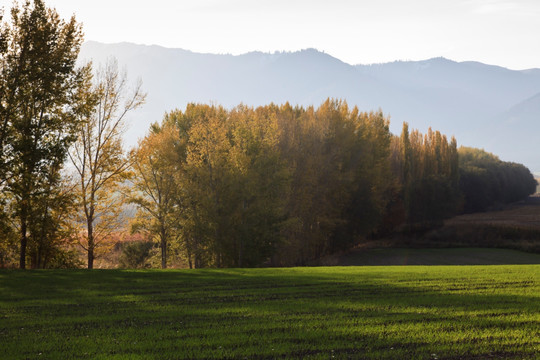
[[284, 185], [40, 86]]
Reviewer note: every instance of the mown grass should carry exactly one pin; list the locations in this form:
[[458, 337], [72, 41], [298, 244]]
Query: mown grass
[[414, 312]]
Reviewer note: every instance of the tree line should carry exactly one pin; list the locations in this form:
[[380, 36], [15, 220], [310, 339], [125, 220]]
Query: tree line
[[284, 185], [277, 184], [487, 182], [272, 185]]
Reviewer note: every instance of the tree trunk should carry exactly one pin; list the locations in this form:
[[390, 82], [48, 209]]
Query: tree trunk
[[163, 237], [163, 253], [90, 258], [90, 244], [24, 241], [38, 256], [240, 253], [23, 252], [241, 237], [188, 250]]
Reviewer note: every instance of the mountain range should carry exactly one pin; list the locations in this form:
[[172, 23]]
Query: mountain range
[[483, 106]]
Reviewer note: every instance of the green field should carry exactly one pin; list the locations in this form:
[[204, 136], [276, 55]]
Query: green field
[[413, 312], [445, 256]]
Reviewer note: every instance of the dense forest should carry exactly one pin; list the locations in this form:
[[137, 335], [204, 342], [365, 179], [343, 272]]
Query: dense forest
[[273, 185]]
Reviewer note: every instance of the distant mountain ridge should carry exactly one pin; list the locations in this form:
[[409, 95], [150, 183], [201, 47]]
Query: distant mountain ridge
[[483, 105]]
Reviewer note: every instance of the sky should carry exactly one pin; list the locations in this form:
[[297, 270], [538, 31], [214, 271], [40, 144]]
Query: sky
[[497, 32]]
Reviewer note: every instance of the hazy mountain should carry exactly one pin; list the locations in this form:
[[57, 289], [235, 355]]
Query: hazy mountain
[[482, 105], [516, 133]]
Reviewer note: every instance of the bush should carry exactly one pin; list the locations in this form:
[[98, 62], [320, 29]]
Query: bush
[[65, 259], [135, 255]]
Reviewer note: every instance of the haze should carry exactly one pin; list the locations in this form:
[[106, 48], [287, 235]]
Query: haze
[[497, 32]]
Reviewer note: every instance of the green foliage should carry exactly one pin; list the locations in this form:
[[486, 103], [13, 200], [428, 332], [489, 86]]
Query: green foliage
[[135, 255], [485, 235], [234, 182], [413, 312], [64, 258], [487, 182], [40, 87], [426, 170]]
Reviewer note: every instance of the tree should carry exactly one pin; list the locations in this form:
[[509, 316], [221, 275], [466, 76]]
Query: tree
[[52, 233], [372, 188], [260, 181], [487, 181], [155, 166], [208, 180], [230, 182], [427, 171], [338, 159], [5, 96], [98, 155], [40, 83]]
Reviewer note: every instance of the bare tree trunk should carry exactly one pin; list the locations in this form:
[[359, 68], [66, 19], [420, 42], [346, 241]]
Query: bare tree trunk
[[90, 244], [163, 237]]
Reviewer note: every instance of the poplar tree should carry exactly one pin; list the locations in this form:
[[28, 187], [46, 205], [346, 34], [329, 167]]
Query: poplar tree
[[40, 83], [156, 163], [209, 179]]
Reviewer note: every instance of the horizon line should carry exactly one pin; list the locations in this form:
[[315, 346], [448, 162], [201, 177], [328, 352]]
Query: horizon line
[[277, 52]]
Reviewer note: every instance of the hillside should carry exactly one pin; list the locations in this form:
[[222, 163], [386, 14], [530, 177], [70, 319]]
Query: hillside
[[482, 105]]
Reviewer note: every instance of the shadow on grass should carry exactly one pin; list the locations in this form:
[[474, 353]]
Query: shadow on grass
[[268, 313]]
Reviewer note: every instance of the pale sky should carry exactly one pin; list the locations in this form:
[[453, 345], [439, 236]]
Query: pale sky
[[498, 32]]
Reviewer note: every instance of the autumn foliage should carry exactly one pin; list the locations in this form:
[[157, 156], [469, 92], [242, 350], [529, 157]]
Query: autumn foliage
[[284, 185], [214, 187]]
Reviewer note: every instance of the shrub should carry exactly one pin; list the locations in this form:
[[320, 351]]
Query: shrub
[[135, 255]]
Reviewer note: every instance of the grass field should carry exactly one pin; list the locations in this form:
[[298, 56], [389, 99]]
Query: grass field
[[413, 312], [444, 256]]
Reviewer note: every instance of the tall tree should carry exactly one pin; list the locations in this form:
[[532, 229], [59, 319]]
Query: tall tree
[[339, 164], [156, 164], [40, 82], [5, 95], [209, 178], [98, 155], [428, 174], [260, 181]]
